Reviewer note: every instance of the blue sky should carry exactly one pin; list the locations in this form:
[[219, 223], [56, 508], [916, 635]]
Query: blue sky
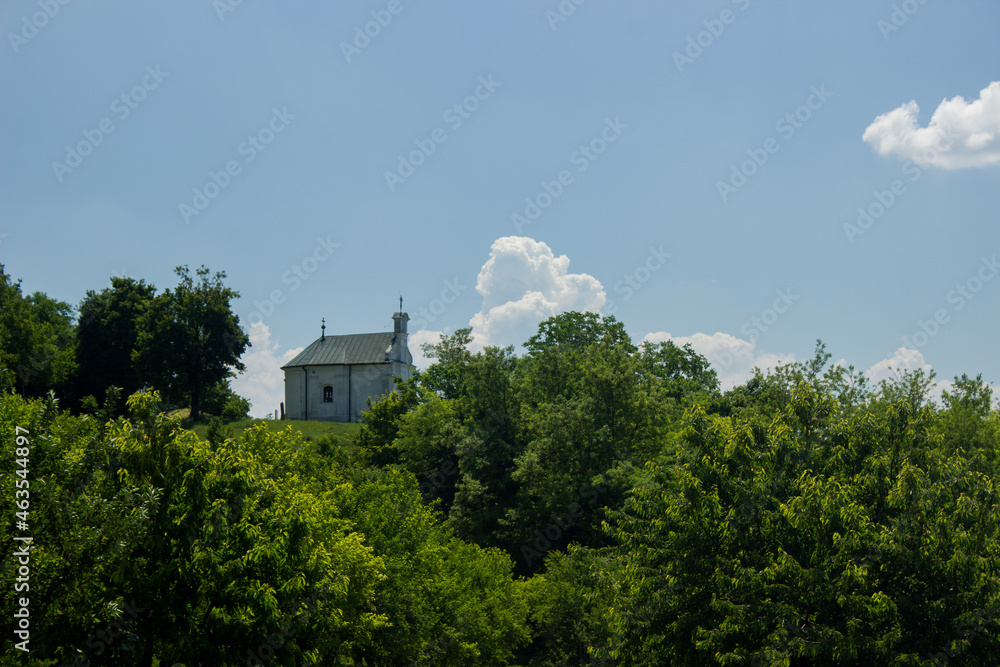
[[697, 168]]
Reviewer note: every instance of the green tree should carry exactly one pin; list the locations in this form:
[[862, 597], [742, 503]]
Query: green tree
[[913, 386], [590, 402], [212, 552], [249, 546], [190, 339], [968, 424], [221, 400], [446, 602], [568, 609], [380, 422], [808, 538], [446, 375], [683, 372], [490, 411], [81, 521], [107, 332], [37, 341], [426, 445]]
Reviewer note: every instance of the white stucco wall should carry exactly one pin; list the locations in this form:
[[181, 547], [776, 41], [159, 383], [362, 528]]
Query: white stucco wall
[[364, 380]]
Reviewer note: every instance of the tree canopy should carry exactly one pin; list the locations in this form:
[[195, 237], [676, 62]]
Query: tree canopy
[[189, 339], [107, 332], [37, 340], [588, 502]]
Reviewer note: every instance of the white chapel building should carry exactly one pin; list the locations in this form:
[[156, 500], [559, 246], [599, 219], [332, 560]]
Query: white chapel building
[[330, 379]]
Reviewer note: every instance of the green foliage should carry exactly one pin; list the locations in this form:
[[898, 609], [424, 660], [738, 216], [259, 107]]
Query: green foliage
[[447, 602], [253, 544], [107, 332], [803, 518], [427, 442], [477, 471], [520, 450], [914, 387], [221, 400], [381, 422], [567, 609], [682, 371], [447, 376], [37, 340], [808, 538], [189, 339], [217, 432]]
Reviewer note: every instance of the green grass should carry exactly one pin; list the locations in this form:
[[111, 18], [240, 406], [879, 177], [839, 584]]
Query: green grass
[[310, 430]]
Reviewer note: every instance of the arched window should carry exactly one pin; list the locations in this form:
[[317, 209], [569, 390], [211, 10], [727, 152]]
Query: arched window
[[327, 394]]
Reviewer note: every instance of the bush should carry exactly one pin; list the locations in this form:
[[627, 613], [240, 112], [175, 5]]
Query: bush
[[217, 432], [222, 401], [236, 407]]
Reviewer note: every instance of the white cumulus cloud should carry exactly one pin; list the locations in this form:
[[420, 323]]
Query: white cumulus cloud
[[732, 358], [903, 359], [960, 134], [263, 382], [523, 283]]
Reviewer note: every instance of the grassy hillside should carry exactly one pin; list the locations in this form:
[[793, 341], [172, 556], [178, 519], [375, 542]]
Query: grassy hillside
[[311, 430]]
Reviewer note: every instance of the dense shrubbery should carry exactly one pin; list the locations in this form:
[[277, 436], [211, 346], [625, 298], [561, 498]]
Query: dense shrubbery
[[252, 545], [589, 502], [802, 518]]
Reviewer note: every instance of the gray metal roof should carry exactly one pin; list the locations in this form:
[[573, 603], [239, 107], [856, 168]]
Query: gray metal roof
[[369, 348]]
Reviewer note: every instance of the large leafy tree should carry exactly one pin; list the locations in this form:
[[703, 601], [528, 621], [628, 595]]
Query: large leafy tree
[[37, 342], [814, 537], [591, 402], [189, 338], [519, 449], [107, 332]]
